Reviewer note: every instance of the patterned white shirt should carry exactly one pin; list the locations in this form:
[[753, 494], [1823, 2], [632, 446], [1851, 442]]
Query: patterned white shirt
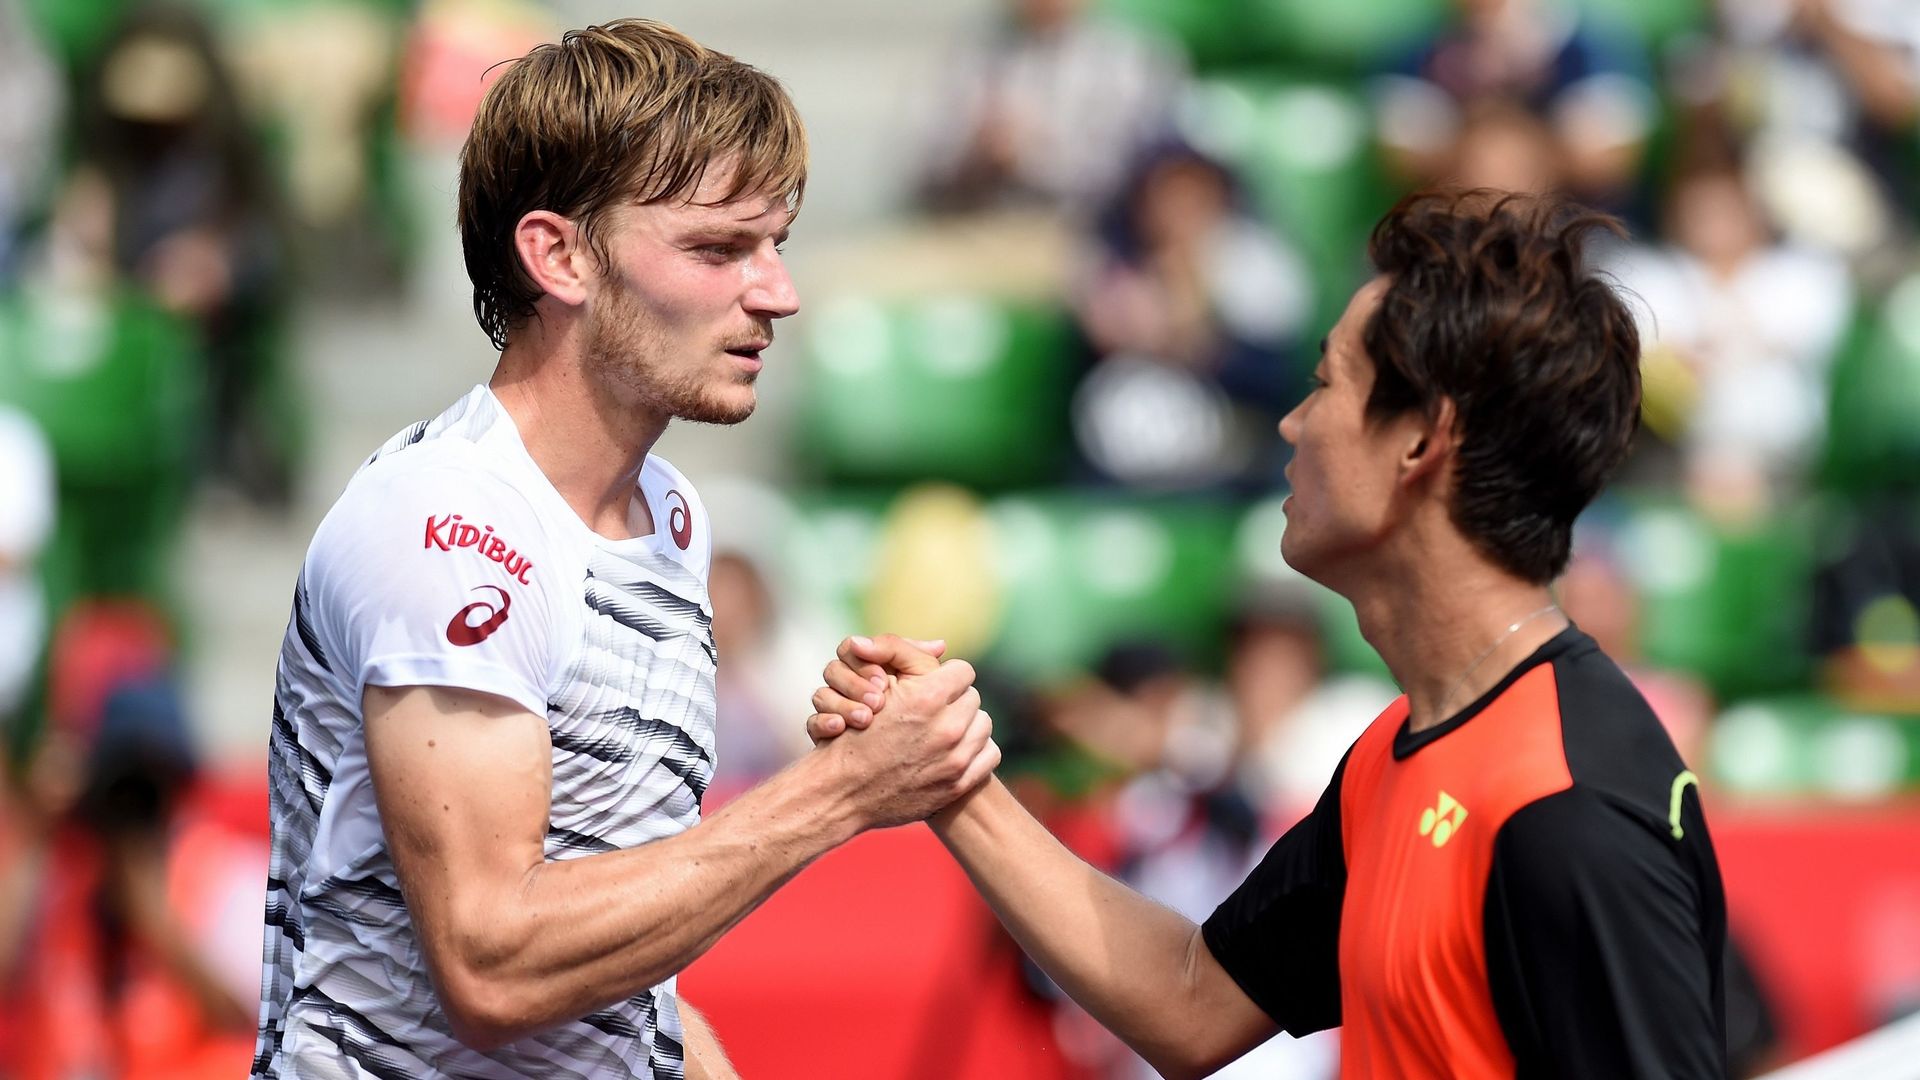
[[451, 561]]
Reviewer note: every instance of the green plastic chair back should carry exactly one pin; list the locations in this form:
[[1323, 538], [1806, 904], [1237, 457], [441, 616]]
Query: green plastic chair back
[[118, 387], [1212, 32], [1082, 573], [1341, 35], [1806, 745], [1070, 574], [969, 389], [1873, 425], [1729, 605], [75, 31], [1259, 567]]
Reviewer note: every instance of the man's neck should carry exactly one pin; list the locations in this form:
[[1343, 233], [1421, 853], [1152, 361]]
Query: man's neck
[[589, 443], [1444, 620]]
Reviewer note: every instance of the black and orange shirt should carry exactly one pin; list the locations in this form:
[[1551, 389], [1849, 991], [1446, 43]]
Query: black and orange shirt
[[1527, 889]]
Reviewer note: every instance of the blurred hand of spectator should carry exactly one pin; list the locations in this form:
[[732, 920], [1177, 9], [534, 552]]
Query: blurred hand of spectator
[[1192, 307], [1828, 94], [1875, 45], [191, 272]]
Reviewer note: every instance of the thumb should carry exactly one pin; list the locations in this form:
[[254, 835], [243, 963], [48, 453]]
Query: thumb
[[896, 654]]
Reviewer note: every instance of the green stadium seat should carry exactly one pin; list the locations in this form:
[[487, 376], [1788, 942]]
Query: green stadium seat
[[1342, 35], [1061, 577], [970, 389], [1728, 604], [1873, 426], [74, 31], [1806, 745], [1082, 573], [1212, 32], [1258, 566], [117, 384]]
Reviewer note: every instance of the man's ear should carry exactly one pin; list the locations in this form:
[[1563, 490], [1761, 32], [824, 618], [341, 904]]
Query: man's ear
[[1431, 442], [552, 251]]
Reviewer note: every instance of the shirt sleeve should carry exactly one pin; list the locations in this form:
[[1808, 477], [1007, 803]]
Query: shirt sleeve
[[1604, 935], [435, 573], [1278, 935]]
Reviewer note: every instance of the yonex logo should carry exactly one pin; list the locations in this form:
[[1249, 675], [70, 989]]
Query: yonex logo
[[1442, 820]]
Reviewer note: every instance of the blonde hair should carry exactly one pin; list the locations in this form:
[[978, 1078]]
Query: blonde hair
[[630, 111]]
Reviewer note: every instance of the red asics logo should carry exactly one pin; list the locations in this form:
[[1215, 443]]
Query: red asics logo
[[449, 532], [679, 520], [462, 631]]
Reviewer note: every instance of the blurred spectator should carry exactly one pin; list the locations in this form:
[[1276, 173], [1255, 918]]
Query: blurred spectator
[[1527, 78], [1296, 718], [1828, 92], [1187, 831], [1049, 109], [191, 218], [1866, 609], [1194, 308], [30, 87], [100, 972], [26, 524], [1740, 331]]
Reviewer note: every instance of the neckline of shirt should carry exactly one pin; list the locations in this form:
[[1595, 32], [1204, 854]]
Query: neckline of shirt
[[648, 542], [1407, 742]]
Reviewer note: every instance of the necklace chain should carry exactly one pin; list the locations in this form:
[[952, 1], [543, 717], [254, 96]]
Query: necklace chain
[[1488, 651]]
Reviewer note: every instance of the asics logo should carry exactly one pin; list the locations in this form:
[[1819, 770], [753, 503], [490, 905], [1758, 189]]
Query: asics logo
[[679, 520], [464, 631]]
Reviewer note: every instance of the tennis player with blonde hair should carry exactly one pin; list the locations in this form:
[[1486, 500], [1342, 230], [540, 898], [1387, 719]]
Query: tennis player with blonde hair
[[493, 721]]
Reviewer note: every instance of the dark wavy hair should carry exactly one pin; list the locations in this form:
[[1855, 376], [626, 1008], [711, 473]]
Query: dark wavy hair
[[1490, 303]]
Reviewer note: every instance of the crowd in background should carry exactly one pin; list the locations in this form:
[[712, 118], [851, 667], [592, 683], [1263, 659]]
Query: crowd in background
[[1129, 224]]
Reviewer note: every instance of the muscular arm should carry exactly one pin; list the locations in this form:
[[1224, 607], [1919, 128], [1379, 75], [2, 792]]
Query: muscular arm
[[516, 943], [1140, 969]]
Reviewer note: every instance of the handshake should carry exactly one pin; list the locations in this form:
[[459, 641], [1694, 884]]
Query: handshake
[[907, 727]]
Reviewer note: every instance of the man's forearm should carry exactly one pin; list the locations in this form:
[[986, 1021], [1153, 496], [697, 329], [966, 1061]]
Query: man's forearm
[[1128, 961], [580, 934]]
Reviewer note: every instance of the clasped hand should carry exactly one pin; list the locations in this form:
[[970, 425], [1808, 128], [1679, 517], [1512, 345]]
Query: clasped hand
[[911, 725]]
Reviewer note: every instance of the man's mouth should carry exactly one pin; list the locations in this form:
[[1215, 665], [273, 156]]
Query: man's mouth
[[749, 351]]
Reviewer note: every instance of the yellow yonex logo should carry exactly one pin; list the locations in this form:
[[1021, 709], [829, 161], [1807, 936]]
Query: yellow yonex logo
[[1442, 820]]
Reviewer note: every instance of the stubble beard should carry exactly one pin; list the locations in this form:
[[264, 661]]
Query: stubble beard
[[627, 350]]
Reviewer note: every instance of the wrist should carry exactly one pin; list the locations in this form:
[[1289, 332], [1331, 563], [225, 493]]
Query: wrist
[[964, 811], [829, 795]]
